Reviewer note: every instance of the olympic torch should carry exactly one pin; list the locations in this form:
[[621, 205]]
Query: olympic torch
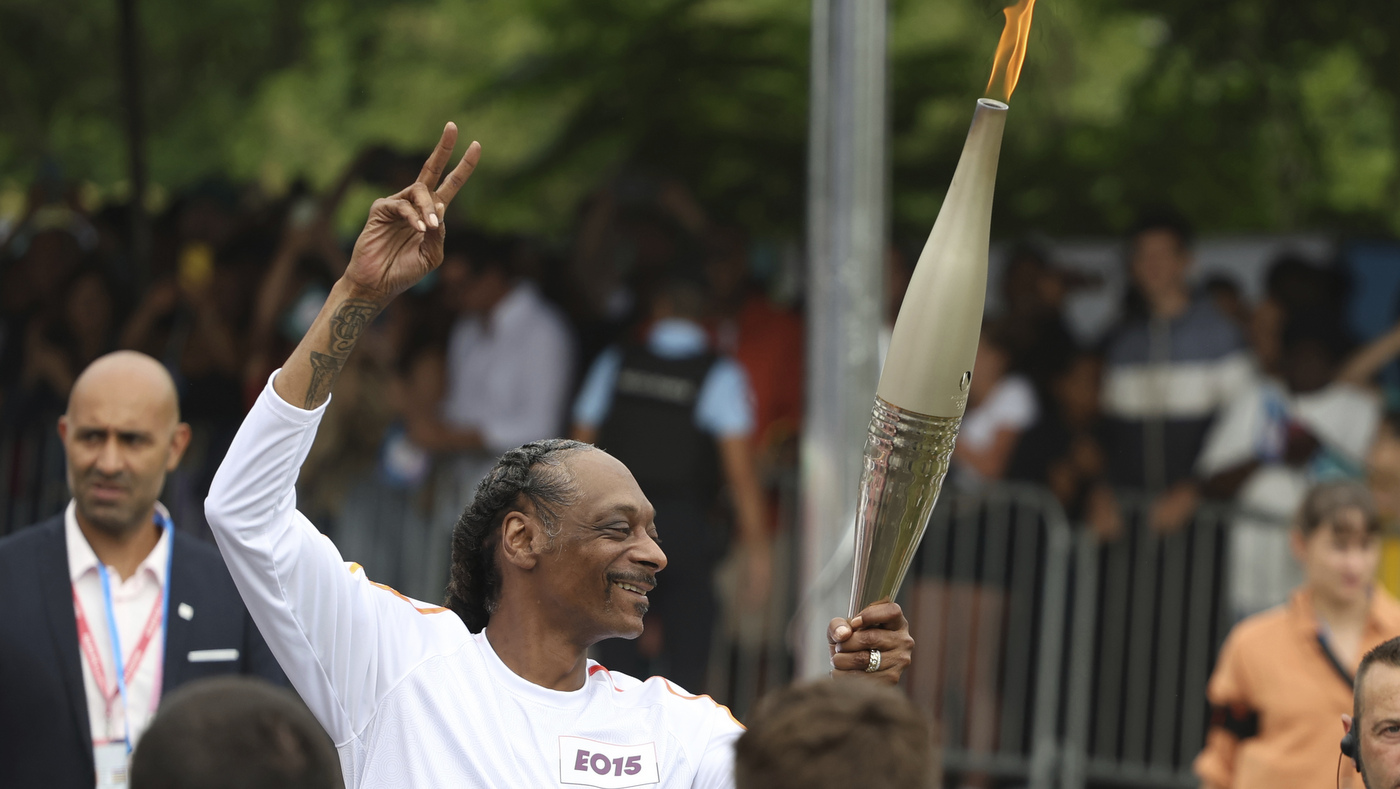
[[923, 388]]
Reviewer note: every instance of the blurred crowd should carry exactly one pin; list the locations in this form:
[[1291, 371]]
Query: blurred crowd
[[236, 276], [1196, 394], [649, 332]]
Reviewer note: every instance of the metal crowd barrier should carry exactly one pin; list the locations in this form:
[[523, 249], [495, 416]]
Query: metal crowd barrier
[[1050, 659], [749, 652], [986, 601], [1150, 615]]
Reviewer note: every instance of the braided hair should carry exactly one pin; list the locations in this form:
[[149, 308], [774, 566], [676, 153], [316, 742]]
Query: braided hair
[[530, 474]]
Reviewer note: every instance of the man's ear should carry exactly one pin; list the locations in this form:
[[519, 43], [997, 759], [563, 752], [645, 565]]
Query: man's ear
[[179, 442], [521, 539], [1346, 723]]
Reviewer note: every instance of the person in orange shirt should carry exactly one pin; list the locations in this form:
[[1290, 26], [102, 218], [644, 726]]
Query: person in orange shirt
[[1284, 677]]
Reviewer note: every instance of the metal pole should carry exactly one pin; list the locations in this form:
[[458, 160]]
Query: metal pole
[[846, 218], [130, 52]]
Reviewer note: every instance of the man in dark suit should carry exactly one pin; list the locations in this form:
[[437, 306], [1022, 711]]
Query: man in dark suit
[[73, 699]]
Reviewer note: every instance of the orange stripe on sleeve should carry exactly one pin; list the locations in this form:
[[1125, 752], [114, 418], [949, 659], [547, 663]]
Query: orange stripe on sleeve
[[672, 689], [355, 567]]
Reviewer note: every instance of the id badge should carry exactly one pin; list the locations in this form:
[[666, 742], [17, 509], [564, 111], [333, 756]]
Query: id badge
[[112, 764]]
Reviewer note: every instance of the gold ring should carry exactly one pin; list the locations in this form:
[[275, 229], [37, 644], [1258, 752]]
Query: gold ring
[[874, 664]]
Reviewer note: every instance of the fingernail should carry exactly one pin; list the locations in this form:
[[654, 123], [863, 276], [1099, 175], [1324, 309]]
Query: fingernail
[[843, 631], [432, 220], [422, 228]]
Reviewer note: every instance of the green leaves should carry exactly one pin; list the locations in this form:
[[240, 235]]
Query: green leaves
[[1251, 115]]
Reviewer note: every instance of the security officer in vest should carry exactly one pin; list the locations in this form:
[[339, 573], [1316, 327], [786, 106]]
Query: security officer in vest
[[681, 417]]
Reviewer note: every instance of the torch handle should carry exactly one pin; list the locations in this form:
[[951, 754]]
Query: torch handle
[[906, 459]]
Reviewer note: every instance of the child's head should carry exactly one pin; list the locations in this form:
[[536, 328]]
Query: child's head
[[1337, 541]]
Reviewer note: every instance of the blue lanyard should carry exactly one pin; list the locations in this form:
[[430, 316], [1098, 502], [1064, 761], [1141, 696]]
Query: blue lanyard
[[117, 664]]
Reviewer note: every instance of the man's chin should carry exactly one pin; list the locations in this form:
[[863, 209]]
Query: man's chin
[[630, 629], [111, 517]]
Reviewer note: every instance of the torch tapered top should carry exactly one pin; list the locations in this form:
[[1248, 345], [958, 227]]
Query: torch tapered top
[[929, 365]]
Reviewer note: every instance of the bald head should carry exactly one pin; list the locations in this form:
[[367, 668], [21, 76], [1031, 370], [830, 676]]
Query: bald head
[[122, 434], [126, 376]]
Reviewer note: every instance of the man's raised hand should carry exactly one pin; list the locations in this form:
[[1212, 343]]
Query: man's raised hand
[[401, 243], [402, 239]]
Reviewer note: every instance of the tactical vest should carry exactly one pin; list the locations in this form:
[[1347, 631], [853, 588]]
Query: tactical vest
[[651, 426]]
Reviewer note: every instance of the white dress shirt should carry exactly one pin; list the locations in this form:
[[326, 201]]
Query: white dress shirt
[[408, 695], [133, 600], [508, 373]]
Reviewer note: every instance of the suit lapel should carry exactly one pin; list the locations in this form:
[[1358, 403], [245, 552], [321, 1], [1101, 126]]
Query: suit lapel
[[56, 590], [176, 628]]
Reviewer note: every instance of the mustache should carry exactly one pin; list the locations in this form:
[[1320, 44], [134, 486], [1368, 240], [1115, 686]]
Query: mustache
[[121, 478], [636, 579]]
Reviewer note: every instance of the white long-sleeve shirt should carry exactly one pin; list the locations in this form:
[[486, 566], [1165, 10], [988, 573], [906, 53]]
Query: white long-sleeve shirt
[[410, 697]]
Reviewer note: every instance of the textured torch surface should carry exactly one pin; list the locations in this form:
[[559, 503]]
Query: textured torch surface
[[906, 459]]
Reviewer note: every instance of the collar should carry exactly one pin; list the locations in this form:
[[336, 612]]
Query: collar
[[677, 337], [82, 559], [524, 688], [1382, 615]]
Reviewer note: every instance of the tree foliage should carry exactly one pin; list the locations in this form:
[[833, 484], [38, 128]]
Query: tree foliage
[[1249, 115]]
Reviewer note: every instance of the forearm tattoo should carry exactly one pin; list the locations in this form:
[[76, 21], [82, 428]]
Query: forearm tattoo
[[347, 324]]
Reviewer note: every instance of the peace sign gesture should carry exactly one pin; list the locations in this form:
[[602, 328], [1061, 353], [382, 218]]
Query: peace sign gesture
[[402, 239]]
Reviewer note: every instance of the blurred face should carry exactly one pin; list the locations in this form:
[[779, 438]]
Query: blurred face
[[1340, 557], [988, 369], [1022, 284], [1308, 366], [89, 310], [1266, 333], [1078, 389], [1379, 727], [1159, 264], [606, 557], [51, 258], [727, 273], [469, 289], [1231, 305], [1383, 471], [121, 436]]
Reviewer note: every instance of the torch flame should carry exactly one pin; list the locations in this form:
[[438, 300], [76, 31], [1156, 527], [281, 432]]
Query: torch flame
[[1011, 50]]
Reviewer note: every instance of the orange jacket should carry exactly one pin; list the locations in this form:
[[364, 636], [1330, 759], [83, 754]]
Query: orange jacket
[[1274, 672]]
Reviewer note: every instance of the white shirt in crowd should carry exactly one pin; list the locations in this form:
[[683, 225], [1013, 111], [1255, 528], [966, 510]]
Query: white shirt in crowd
[[133, 601], [1253, 426], [1011, 405], [409, 696], [508, 373]]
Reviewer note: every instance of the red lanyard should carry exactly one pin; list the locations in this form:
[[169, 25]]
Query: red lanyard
[[88, 644]]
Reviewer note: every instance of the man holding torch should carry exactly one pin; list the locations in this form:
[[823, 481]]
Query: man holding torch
[[557, 552]]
